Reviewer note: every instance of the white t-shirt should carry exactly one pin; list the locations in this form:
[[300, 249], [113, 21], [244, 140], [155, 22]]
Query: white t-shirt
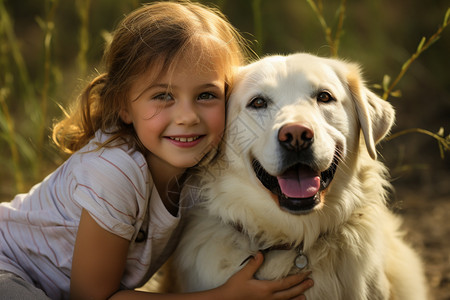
[[38, 229]]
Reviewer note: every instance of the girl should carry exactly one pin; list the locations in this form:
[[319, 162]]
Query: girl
[[101, 224]]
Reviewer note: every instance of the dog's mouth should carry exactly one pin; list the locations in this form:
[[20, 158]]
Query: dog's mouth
[[299, 188]]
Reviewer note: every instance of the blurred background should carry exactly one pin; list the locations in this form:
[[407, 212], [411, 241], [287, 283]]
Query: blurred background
[[49, 50]]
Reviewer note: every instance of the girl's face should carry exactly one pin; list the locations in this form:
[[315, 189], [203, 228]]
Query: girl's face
[[178, 118]]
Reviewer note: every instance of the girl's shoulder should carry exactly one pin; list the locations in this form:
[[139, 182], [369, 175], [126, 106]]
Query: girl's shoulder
[[114, 159], [112, 183], [110, 177]]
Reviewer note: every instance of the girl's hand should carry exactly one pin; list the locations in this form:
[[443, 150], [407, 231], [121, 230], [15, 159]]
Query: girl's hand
[[244, 286]]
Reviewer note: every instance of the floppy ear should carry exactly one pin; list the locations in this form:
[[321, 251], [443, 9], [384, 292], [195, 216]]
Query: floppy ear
[[376, 116]]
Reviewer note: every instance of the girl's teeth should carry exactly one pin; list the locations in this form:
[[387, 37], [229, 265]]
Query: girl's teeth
[[184, 140]]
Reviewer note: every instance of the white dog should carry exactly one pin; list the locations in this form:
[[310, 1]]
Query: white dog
[[296, 180]]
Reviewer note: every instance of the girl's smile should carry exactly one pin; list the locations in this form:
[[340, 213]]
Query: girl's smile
[[186, 141]]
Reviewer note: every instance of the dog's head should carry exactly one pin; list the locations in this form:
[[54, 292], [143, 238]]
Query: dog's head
[[294, 121]]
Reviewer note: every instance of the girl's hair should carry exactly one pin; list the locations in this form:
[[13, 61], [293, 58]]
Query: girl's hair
[[155, 36]]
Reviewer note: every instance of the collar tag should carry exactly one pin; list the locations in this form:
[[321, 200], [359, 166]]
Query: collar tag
[[301, 260]]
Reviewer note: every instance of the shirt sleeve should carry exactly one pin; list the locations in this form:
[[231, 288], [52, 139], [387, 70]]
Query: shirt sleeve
[[113, 188]]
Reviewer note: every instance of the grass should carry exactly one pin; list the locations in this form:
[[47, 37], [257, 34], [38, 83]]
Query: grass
[[30, 94], [8, 129], [333, 40], [388, 88], [48, 27]]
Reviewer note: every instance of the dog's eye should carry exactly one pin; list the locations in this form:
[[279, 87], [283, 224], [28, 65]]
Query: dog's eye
[[258, 102], [324, 97]]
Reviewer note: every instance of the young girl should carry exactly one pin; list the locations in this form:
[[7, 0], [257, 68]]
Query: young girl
[[101, 224]]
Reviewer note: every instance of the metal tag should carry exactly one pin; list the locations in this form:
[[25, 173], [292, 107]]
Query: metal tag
[[301, 261]]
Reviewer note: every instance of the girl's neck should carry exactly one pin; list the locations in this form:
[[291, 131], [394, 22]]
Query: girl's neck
[[168, 181]]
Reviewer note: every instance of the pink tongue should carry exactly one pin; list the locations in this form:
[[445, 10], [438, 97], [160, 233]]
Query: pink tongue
[[299, 182]]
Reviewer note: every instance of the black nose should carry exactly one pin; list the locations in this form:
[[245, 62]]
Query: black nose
[[295, 136]]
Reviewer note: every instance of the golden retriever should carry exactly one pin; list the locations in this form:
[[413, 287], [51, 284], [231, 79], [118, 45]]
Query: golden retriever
[[297, 178]]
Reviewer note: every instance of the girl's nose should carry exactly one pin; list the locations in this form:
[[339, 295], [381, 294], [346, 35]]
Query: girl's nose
[[186, 114]]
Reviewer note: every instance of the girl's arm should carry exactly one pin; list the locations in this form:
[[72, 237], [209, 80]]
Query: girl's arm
[[99, 261], [240, 286]]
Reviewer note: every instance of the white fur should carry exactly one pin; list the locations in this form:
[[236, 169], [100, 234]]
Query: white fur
[[352, 240]]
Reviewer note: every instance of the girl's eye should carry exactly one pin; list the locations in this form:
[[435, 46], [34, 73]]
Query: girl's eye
[[258, 103], [206, 96], [163, 97], [324, 97]]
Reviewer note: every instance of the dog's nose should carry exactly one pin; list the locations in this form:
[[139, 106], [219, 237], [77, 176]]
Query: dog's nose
[[295, 137]]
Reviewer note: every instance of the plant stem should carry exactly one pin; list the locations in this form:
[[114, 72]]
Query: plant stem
[[15, 51], [411, 130], [257, 21], [48, 35], [18, 176], [420, 49], [6, 80], [83, 7], [444, 143], [332, 42], [339, 28]]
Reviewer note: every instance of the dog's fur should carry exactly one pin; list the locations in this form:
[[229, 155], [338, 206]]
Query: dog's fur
[[301, 110]]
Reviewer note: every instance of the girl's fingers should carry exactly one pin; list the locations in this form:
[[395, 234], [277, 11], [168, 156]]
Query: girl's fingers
[[296, 291], [253, 265], [294, 280], [301, 297], [291, 287]]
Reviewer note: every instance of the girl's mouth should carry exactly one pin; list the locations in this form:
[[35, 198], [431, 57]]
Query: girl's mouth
[[185, 139]]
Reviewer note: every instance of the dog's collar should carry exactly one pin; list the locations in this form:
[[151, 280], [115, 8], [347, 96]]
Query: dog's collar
[[285, 246], [301, 260]]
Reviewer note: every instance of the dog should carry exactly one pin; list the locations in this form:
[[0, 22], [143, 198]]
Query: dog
[[297, 177]]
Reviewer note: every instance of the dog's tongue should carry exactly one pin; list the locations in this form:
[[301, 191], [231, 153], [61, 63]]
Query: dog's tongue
[[299, 182]]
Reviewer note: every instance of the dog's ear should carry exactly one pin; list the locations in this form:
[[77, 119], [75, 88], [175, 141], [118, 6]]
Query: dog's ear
[[375, 115]]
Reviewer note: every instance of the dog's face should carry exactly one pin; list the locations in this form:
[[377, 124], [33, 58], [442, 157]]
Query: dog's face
[[293, 121]]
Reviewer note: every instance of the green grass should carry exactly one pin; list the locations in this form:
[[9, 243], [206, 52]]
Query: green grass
[[47, 55]]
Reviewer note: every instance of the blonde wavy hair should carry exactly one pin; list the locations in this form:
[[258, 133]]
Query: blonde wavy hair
[[157, 35]]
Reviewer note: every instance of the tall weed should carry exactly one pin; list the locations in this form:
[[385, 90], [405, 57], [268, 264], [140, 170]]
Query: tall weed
[[387, 85]]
